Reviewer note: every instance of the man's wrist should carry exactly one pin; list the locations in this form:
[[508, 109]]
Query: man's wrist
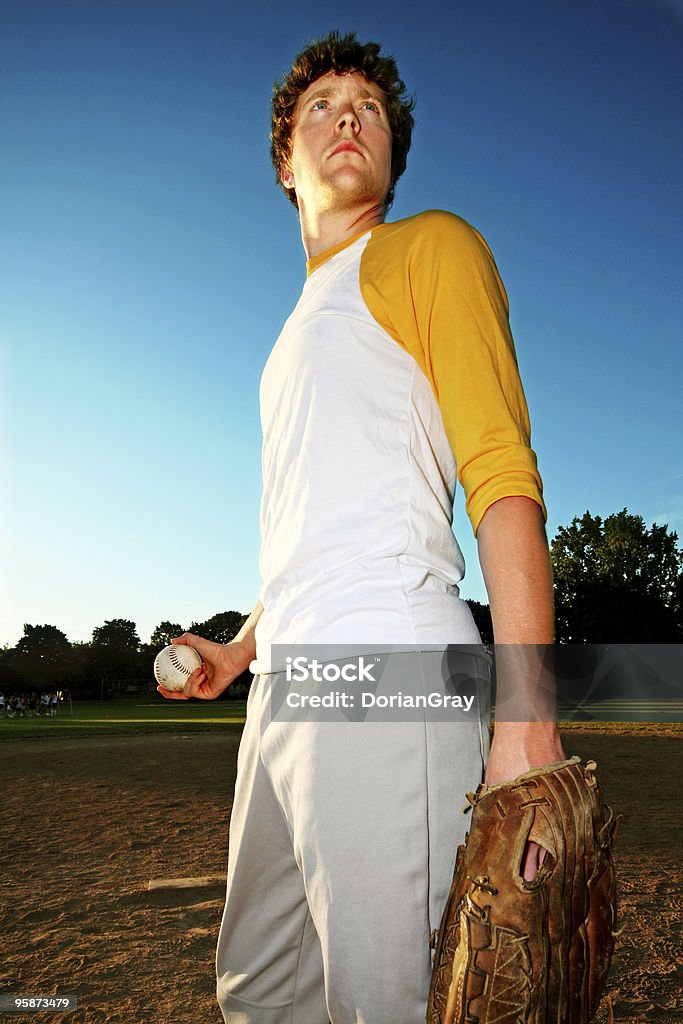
[[537, 742], [542, 730], [243, 651], [517, 747]]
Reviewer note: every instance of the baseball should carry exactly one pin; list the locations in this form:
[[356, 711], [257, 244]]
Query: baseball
[[174, 665]]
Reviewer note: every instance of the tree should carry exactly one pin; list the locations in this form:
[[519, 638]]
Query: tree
[[115, 651], [41, 658], [222, 627], [121, 634], [617, 581], [44, 643], [481, 613], [84, 681], [10, 678], [164, 633]]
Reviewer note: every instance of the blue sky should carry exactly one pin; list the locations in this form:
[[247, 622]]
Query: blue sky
[[147, 262]]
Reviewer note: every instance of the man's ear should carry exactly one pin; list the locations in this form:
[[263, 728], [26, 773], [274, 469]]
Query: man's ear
[[286, 177]]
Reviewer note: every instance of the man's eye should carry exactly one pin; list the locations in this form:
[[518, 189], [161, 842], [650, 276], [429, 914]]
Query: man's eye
[[319, 105], [372, 105]]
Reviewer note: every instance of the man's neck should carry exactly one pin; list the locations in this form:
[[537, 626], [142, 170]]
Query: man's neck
[[331, 228]]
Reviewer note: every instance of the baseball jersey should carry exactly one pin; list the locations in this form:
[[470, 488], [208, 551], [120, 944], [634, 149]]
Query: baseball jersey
[[394, 377]]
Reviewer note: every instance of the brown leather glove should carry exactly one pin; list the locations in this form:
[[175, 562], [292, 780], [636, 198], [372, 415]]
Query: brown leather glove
[[510, 950]]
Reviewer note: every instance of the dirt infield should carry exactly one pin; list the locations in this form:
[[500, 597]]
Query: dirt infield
[[87, 823]]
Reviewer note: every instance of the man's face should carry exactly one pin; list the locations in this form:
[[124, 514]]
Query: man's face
[[341, 144]]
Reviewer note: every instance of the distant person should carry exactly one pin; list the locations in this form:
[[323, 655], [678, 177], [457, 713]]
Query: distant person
[[3, 705], [395, 372]]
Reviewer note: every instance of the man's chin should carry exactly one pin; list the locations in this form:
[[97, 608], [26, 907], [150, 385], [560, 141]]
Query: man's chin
[[345, 192]]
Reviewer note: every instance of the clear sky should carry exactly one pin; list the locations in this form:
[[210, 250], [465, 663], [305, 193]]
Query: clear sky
[[147, 262]]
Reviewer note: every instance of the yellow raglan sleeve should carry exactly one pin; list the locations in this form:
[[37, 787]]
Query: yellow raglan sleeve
[[432, 283]]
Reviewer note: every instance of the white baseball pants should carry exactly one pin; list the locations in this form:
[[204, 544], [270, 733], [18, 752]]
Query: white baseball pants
[[342, 846]]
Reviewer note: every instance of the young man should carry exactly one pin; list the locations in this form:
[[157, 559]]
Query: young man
[[395, 372]]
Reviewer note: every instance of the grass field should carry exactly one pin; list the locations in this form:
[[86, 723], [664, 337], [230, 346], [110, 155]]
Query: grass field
[[95, 718], [102, 718]]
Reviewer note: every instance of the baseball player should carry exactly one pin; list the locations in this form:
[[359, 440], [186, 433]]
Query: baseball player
[[394, 376]]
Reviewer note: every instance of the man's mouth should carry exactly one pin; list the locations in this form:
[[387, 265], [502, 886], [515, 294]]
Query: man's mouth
[[346, 147]]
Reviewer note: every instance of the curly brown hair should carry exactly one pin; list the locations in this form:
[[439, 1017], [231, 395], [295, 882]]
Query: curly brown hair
[[341, 54]]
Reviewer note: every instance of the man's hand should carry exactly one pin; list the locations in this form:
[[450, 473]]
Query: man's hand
[[221, 665], [516, 747]]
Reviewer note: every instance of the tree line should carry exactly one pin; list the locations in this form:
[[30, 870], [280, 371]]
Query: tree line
[[113, 661], [615, 581]]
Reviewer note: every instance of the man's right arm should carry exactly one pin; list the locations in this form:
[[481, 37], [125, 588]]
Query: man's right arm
[[221, 663]]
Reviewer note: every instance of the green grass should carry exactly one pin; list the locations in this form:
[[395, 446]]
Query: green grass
[[96, 718]]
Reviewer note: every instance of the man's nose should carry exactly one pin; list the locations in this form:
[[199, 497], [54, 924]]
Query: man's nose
[[347, 118]]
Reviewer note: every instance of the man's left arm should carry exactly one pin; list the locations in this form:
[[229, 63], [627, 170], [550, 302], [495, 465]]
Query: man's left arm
[[431, 282], [515, 562]]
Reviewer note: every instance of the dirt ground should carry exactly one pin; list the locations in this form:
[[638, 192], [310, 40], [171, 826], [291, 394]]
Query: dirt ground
[[87, 823]]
